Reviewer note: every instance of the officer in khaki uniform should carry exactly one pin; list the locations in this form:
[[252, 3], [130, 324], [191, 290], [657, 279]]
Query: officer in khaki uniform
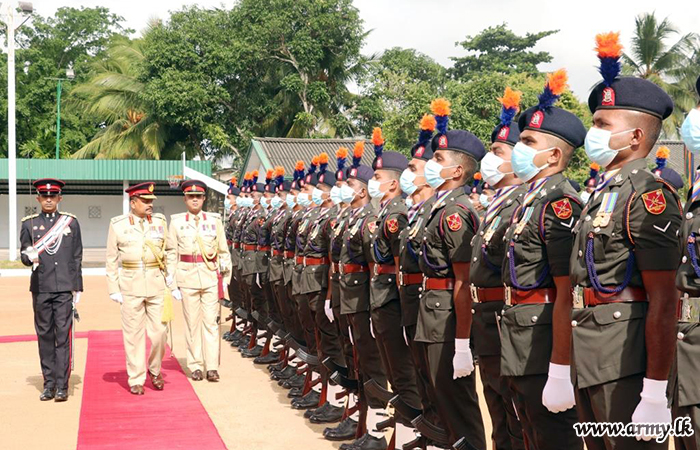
[[488, 253], [198, 257], [624, 263], [444, 311], [137, 241], [686, 390]]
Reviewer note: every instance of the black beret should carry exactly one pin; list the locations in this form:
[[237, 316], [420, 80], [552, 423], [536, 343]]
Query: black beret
[[471, 189], [390, 161], [554, 121], [285, 186], [636, 94], [257, 187], [271, 187], [327, 178], [670, 176], [421, 151], [592, 181], [507, 134], [311, 179], [234, 190], [362, 173], [459, 141], [574, 184]]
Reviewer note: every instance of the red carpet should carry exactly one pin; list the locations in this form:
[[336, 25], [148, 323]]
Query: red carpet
[[112, 418]]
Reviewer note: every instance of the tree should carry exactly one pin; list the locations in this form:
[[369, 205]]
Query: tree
[[650, 57], [499, 50]]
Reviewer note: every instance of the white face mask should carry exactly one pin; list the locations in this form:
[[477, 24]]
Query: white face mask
[[490, 168], [484, 200], [523, 161], [598, 146], [690, 131], [585, 195], [409, 202], [335, 195]]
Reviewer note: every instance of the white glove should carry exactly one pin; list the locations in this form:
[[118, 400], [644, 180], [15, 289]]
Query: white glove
[[117, 297], [463, 362], [225, 287], [76, 297], [352, 341], [169, 280], [177, 295], [371, 328], [328, 310], [405, 338], [652, 408], [558, 393]]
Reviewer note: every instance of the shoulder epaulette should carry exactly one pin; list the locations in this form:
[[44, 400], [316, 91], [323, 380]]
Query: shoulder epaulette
[[119, 218], [67, 214], [175, 216], [159, 215], [31, 216], [215, 215]]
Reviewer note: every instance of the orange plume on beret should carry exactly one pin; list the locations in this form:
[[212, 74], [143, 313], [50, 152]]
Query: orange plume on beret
[[377, 138], [477, 176], [342, 152], [315, 160], [248, 176], [255, 173], [557, 81], [428, 122], [233, 180], [595, 166], [299, 165], [511, 98], [608, 45], [359, 149], [440, 107], [270, 173], [663, 152], [279, 171], [323, 158]]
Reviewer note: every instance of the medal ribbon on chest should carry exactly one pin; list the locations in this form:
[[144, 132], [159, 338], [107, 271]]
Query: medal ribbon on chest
[[607, 206]]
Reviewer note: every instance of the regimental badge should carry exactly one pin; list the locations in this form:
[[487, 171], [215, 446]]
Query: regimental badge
[[608, 97], [392, 225], [536, 120], [442, 142], [419, 152], [654, 202], [372, 226], [454, 222], [562, 208], [503, 133]]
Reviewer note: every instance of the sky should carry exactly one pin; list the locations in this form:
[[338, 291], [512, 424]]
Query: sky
[[433, 27]]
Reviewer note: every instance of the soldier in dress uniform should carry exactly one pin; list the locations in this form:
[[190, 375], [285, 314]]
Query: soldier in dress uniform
[[384, 289], [238, 336], [233, 211], [198, 258], [686, 390], [51, 244], [355, 299], [488, 253], [137, 241], [420, 199], [624, 263], [444, 314]]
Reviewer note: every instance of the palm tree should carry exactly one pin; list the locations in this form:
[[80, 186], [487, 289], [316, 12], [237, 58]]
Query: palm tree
[[112, 95], [653, 59]]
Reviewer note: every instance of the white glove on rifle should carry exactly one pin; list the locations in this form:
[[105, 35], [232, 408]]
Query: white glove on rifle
[[463, 362], [652, 408], [328, 310], [177, 295], [558, 392], [76, 297], [117, 297]]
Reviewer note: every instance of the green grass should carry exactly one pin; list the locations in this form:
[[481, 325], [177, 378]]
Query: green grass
[[12, 265]]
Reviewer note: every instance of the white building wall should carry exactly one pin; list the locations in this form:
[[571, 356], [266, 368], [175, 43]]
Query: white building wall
[[86, 208]]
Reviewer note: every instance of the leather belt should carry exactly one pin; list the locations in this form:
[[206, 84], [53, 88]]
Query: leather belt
[[288, 254], [264, 248], [689, 309], [335, 267], [591, 297], [139, 265], [194, 259], [383, 269], [316, 261], [438, 284], [407, 279], [250, 247], [236, 245], [535, 296], [277, 253], [299, 260], [352, 268], [482, 295]]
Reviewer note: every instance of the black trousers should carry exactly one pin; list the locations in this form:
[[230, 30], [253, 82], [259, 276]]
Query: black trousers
[[507, 432], [308, 323], [329, 342], [369, 361], [53, 321], [394, 352], [287, 311], [235, 293], [457, 400], [259, 296], [343, 329]]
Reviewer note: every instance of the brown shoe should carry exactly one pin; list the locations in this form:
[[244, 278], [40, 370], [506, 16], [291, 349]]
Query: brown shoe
[[137, 389], [157, 381], [212, 375], [197, 375]]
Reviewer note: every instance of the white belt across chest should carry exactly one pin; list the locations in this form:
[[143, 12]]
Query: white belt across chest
[[51, 241]]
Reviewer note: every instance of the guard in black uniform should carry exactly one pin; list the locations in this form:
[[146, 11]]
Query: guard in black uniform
[[52, 245]]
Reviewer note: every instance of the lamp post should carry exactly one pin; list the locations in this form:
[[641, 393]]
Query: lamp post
[[9, 14], [70, 74]]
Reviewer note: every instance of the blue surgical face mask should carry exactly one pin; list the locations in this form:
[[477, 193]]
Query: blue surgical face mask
[[227, 204], [409, 202], [276, 202], [598, 146], [264, 203], [247, 202], [291, 202], [432, 173], [304, 199], [335, 195], [484, 200], [317, 196], [374, 188], [523, 161], [585, 195], [406, 182], [347, 194], [690, 131]]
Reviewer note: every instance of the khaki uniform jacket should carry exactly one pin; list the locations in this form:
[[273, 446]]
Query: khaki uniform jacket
[[197, 235], [128, 242]]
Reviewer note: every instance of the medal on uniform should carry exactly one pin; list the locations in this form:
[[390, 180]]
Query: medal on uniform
[[523, 222], [492, 229], [607, 205], [302, 228], [414, 231]]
